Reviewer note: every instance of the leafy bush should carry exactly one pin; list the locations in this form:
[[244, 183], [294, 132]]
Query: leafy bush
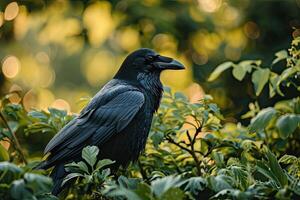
[[191, 153]]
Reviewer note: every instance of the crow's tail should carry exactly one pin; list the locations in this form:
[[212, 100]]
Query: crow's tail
[[57, 175]]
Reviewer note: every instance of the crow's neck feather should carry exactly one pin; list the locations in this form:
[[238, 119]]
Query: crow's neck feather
[[152, 85]]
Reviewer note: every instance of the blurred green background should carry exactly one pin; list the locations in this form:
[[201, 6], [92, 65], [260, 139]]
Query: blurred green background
[[55, 52]]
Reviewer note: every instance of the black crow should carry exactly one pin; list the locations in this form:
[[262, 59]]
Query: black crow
[[117, 119]]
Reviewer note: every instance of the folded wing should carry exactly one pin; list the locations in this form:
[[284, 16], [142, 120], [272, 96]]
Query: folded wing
[[94, 126]]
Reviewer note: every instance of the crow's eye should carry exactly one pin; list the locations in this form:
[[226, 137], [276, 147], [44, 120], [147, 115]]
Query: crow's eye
[[150, 58]]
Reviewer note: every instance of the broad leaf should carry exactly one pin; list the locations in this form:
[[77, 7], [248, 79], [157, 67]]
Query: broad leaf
[[280, 55], [287, 124], [261, 120], [104, 163], [89, 154], [222, 67], [71, 176], [259, 78], [39, 184]]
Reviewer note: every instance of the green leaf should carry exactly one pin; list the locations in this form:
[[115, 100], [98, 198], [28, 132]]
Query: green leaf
[[218, 158], [9, 172], [287, 124], [103, 163], [71, 176], [89, 154], [261, 120], [173, 194], [124, 192], [285, 75], [280, 55], [231, 194], [162, 185], [222, 67], [288, 159], [276, 169], [39, 184], [37, 115], [19, 191], [259, 78], [195, 185], [239, 72], [4, 156], [218, 183]]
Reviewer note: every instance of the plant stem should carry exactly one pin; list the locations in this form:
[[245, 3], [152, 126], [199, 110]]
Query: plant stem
[[191, 152], [14, 141]]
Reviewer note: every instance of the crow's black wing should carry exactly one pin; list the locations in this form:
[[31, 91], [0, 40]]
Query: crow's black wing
[[94, 126]]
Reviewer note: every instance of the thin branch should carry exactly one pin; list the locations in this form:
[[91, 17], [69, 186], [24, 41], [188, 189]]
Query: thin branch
[[191, 152], [14, 141]]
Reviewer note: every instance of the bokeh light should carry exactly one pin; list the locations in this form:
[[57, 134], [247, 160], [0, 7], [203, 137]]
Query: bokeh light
[[251, 30], [11, 66], [61, 104], [1, 19], [210, 5], [11, 11]]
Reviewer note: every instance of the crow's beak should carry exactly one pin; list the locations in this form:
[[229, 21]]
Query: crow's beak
[[168, 63]]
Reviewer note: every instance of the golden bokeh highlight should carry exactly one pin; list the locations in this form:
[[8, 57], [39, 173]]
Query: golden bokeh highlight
[[128, 39], [30, 100], [251, 30], [61, 105], [195, 93], [14, 94], [11, 66], [21, 23], [36, 75], [11, 11], [45, 99], [210, 5], [42, 57], [99, 22], [99, 67], [1, 19]]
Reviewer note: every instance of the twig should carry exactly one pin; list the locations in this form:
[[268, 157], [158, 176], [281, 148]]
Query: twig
[[15, 141], [191, 152]]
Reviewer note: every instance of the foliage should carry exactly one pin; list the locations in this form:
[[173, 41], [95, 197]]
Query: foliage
[[191, 153]]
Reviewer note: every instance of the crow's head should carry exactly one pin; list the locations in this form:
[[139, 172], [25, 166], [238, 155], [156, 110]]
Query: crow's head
[[145, 62]]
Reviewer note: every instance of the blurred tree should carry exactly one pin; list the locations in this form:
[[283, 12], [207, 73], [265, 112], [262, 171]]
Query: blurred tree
[[88, 39]]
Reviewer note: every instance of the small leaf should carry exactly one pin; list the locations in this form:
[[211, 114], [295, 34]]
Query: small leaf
[[19, 191], [218, 183], [173, 194], [261, 120], [287, 124], [39, 184], [103, 163], [71, 176], [280, 55], [195, 185], [276, 169], [89, 154], [222, 67], [239, 72], [160, 186], [4, 156], [259, 78], [288, 159]]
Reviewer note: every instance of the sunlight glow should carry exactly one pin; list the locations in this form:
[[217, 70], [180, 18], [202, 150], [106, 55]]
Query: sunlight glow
[[61, 104], [210, 5], [11, 11], [1, 19], [11, 66]]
